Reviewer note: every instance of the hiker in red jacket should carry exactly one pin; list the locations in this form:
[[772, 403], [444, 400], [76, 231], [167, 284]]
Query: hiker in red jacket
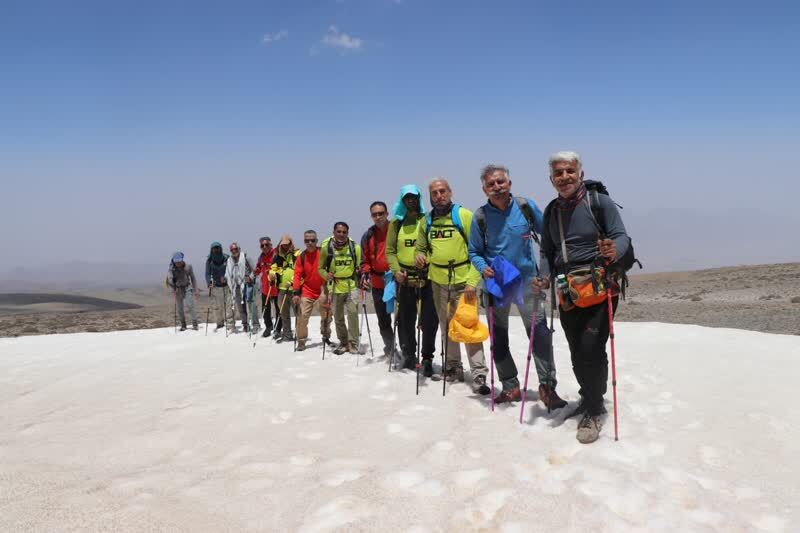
[[269, 291], [308, 287], [374, 266]]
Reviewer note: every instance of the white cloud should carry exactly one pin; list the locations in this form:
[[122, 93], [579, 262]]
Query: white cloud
[[270, 38], [344, 42]]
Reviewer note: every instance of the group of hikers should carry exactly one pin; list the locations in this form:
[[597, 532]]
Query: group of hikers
[[425, 266]]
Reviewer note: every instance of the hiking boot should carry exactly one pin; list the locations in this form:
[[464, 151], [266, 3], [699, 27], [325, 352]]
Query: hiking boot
[[479, 386], [550, 397], [219, 327], [232, 329], [266, 333], [410, 362], [581, 410], [276, 334], [183, 327], [427, 367], [353, 349], [507, 396], [289, 337], [301, 345], [339, 350], [245, 328], [328, 341], [589, 428], [195, 326]]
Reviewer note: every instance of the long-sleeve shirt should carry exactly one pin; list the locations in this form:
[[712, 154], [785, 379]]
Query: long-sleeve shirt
[[307, 281], [507, 235], [263, 266], [580, 234], [444, 243], [373, 255]]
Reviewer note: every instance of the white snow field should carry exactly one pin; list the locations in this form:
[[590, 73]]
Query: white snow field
[[153, 431]]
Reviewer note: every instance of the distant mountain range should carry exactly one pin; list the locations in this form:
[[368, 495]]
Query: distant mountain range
[[666, 239]]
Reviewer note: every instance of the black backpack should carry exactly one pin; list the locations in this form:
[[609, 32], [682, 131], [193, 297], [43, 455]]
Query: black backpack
[[524, 206], [593, 189]]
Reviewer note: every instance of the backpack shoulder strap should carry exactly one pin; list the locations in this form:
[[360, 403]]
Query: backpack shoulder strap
[[455, 217], [548, 215], [480, 218], [527, 212], [329, 259]]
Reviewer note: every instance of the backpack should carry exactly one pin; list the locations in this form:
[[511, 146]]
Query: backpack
[[527, 211], [352, 246], [455, 222], [365, 239], [593, 189]]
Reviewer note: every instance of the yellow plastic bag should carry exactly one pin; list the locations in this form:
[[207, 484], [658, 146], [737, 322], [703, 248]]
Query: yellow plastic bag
[[465, 326]]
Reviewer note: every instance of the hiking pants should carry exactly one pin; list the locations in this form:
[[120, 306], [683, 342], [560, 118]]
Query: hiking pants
[[407, 321], [586, 330], [238, 305], [221, 298], [267, 308], [306, 306], [384, 320], [542, 348], [186, 294], [285, 307], [345, 304], [251, 306], [445, 309]]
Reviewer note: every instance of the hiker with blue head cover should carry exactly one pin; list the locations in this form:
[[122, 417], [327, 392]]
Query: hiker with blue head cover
[[412, 283], [504, 231], [218, 285], [183, 284]]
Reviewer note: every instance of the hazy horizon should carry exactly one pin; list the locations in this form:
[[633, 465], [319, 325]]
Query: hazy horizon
[[130, 132]]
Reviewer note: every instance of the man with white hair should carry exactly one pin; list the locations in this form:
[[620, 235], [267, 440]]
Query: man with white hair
[[583, 232], [506, 226]]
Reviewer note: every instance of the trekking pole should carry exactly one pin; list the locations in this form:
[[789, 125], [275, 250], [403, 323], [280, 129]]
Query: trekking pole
[[491, 343], [530, 351], [419, 332], [328, 287], [446, 332], [366, 319], [224, 311], [208, 308], [294, 331], [175, 312], [265, 310], [613, 351]]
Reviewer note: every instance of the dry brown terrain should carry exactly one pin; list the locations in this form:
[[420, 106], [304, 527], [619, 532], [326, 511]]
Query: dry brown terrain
[[761, 298]]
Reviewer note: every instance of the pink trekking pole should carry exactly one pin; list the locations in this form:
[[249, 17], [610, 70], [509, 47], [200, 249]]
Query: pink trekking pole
[[530, 351], [613, 354], [491, 343]]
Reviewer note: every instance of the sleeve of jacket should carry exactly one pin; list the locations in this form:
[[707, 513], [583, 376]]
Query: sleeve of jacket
[[299, 275], [191, 276], [477, 250], [612, 222], [391, 246], [171, 277], [323, 259], [366, 261], [208, 272], [473, 277], [538, 217]]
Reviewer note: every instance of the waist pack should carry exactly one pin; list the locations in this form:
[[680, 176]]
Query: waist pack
[[585, 287]]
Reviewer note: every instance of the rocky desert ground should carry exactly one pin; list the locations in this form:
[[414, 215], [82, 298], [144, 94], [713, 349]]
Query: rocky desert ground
[[760, 298]]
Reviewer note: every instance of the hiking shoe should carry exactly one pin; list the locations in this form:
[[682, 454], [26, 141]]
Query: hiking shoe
[[479, 386], [288, 337], [183, 327], [276, 334], [353, 349], [326, 340], [339, 350], [507, 396], [195, 326], [265, 334], [301, 345], [581, 410], [550, 397], [219, 327], [410, 362], [427, 367], [589, 428]]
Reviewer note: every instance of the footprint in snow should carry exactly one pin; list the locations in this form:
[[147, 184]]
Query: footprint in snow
[[342, 477], [317, 435], [282, 417]]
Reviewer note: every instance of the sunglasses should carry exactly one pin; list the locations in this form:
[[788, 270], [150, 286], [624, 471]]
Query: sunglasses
[[378, 214], [309, 240], [265, 244]]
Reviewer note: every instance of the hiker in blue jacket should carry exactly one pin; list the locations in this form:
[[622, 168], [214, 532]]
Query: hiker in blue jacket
[[509, 233]]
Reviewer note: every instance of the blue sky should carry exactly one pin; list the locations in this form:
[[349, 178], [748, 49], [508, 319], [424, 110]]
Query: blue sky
[[170, 124]]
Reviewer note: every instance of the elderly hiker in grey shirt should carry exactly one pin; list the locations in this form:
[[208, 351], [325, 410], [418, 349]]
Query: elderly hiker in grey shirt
[[181, 280], [582, 231]]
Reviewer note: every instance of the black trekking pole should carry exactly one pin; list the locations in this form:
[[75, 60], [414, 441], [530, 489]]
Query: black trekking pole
[[225, 310], [446, 332], [208, 308], [294, 332], [328, 311], [419, 332]]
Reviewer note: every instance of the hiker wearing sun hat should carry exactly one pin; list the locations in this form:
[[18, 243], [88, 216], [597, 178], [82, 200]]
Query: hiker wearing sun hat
[[282, 275], [183, 283]]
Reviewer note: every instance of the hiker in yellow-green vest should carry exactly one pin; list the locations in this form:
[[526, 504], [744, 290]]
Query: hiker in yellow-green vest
[[339, 260], [282, 275], [413, 288], [442, 245]]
